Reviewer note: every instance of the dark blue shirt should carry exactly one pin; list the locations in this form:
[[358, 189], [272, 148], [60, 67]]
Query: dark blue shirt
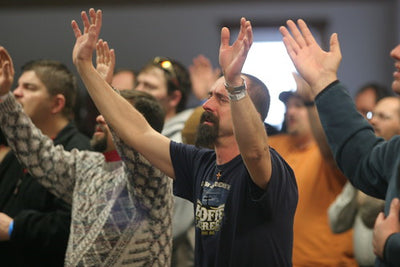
[[237, 223]]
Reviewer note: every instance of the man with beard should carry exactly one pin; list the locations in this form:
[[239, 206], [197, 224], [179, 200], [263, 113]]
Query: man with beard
[[122, 205], [244, 193], [305, 148]]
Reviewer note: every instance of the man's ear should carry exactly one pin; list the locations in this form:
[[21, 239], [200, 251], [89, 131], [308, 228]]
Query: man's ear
[[175, 98], [58, 104]]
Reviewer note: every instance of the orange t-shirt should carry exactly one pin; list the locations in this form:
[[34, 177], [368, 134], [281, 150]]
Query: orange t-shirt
[[318, 184]]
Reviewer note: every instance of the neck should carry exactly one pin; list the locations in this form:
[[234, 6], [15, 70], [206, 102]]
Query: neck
[[302, 141], [171, 113], [226, 149], [52, 126]]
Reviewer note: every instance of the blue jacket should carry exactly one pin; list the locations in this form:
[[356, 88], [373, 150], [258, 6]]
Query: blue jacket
[[369, 162]]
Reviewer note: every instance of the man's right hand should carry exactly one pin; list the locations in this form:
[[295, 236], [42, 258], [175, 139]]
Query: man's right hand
[[6, 71], [316, 66]]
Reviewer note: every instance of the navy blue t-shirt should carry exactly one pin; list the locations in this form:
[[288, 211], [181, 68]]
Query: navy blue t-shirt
[[237, 223]]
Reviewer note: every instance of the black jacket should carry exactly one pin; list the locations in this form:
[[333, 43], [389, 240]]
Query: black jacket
[[41, 220]]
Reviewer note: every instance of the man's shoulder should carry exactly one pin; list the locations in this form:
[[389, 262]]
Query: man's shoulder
[[70, 138]]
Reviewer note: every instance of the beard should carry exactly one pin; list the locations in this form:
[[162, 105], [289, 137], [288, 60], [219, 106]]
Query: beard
[[99, 144], [207, 134]]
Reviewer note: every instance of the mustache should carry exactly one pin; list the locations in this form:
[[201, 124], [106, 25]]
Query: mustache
[[208, 116], [100, 126]]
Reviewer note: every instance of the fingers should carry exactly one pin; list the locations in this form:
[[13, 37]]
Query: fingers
[[92, 15], [112, 57], [99, 52], [99, 20], [307, 36], [296, 34], [225, 35], [249, 33], [242, 30], [394, 209], [380, 218], [335, 45], [85, 21], [291, 46], [104, 55], [75, 28], [6, 63]]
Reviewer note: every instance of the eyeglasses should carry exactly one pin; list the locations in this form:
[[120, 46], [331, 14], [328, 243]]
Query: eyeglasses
[[166, 65]]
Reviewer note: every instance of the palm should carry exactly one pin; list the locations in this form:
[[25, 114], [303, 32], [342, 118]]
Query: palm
[[83, 49], [315, 62], [317, 67], [105, 61], [6, 71], [232, 58]]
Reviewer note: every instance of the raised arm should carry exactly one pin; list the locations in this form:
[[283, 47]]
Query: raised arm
[[317, 67], [247, 123], [127, 122], [304, 90]]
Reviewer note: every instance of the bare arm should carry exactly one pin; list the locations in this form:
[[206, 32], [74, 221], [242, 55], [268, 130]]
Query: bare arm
[[304, 90], [248, 126], [127, 122]]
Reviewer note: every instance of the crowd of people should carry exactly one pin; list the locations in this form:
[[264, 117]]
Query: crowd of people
[[161, 184]]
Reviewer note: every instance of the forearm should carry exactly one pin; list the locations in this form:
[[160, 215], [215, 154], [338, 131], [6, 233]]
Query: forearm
[[342, 212], [252, 140], [352, 141], [319, 135]]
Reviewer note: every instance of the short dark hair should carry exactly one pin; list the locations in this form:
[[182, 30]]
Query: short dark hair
[[148, 105], [259, 95], [380, 90], [58, 79], [181, 82]]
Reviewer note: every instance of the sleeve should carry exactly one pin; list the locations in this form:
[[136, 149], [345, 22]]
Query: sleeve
[[391, 250], [54, 168], [342, 212], [183, 160], [364, 158], [281, 192], [370, 209], [49, 229], [148, 185]]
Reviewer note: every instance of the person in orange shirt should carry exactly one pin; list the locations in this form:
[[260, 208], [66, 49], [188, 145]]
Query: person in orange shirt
[[319, 181]]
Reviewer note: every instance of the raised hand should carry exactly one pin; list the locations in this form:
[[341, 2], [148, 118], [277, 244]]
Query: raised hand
[[202, 76], [105, 61], [86, 41], [316, 66], [384, 227], [6, 71], [232, 58]]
